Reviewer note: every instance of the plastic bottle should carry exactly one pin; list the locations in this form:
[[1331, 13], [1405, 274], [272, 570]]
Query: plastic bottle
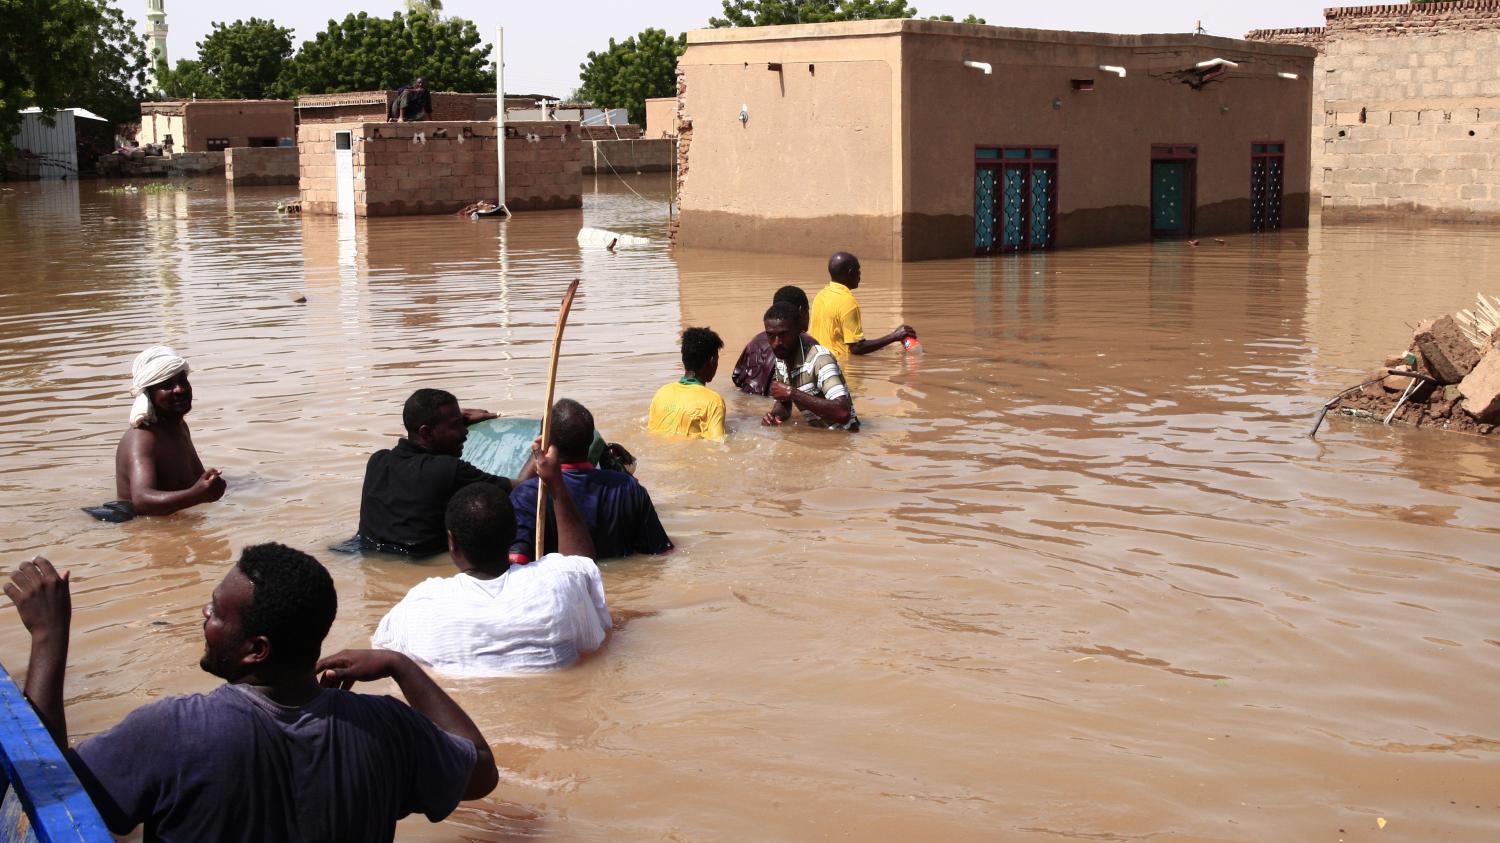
[[912, 345]]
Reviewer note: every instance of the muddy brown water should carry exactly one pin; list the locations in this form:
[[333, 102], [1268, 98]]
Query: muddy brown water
[[1081, 576]]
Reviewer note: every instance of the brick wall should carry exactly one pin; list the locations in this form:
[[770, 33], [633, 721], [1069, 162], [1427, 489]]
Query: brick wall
[[629, 156], [1406, 109], [629, 131], [396, 173], [373, 106], [247, 165]]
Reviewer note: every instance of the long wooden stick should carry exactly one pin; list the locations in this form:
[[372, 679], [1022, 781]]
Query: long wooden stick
[[541, 485]]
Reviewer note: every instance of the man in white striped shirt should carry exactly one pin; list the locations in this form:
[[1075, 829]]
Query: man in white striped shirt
[[807, 376], [490, 619]]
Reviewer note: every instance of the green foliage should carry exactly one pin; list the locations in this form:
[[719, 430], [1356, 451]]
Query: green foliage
[[364, 53], [68, 53], [245, 58], [774, 12], [632, 71], [187, 80]]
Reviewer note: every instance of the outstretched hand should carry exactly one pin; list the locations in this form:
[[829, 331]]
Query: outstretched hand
[[42, 598], [475, 416], [344, 668]]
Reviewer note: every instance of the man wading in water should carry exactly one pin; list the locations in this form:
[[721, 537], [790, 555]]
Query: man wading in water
[[157, 469], [806, 376]]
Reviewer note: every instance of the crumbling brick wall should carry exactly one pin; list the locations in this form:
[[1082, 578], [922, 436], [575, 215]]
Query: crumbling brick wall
[[684, 141], [1406, 109]]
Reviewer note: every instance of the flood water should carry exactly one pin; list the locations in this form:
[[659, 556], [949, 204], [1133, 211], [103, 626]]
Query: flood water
[[1082, 576]]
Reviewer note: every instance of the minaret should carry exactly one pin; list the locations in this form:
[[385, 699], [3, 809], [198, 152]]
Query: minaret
[[156, 25]]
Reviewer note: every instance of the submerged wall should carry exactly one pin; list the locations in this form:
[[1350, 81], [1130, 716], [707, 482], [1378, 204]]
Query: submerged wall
[[441, 167], [249, 165], [629, 156]]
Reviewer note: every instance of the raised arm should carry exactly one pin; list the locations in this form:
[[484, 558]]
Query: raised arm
[[865, 346], [140, 468], [573, 537], [45, 604], [342, 670]]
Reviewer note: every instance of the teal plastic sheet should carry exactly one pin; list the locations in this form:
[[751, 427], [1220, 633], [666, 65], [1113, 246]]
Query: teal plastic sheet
[[501, 446]]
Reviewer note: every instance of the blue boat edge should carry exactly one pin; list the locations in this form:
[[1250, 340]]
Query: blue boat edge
[[43, 800]]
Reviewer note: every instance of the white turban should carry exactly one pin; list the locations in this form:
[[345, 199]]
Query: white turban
[[152, 366]]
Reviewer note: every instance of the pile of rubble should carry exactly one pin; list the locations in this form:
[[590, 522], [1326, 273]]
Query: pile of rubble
[[1456, 361]]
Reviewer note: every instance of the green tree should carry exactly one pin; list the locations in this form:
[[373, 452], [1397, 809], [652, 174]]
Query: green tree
[[65, 53], [632, 71], [967, 19], [189, 79], [245, 57], [364, 53], [774, 12]]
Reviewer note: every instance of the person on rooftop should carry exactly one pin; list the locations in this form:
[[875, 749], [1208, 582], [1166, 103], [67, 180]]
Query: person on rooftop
[[157, 469], [807, 377], [752, 372], [492, 618], [616, 508], [407, 488], [687, 408], [413, 102], [282, 750], [836, 319]]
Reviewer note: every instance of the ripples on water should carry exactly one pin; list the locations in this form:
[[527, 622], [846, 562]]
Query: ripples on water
[[1082, 576]]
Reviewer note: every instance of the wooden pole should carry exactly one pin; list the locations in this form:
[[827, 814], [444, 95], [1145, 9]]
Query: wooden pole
[[541, 485]]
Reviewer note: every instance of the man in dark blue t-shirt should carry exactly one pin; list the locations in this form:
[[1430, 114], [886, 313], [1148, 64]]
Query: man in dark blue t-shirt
[[280, 752], [617, 509]]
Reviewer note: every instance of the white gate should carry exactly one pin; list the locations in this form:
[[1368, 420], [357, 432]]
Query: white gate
[[343, 159]]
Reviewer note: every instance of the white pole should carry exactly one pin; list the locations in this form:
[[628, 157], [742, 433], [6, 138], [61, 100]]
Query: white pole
[[500, 115]]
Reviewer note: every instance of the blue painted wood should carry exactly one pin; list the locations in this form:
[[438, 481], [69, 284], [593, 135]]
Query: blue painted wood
[[56, 807]]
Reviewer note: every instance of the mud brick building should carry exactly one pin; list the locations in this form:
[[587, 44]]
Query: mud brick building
[[436, 167], [910, 139], [1406, 110], [215, 125]]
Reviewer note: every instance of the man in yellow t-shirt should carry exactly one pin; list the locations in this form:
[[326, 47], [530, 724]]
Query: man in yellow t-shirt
[[835, 321], [687, 407]]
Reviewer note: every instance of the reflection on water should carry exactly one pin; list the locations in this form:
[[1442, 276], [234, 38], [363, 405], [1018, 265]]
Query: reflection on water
[[1081, 576]]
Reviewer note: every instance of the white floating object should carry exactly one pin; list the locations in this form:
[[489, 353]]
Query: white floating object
[[609, 239]]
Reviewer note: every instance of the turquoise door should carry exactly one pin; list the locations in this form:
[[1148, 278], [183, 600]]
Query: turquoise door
[[1171, 198]]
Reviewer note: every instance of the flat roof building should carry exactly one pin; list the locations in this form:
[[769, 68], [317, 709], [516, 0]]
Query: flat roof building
[[213, 125], [910, 140]]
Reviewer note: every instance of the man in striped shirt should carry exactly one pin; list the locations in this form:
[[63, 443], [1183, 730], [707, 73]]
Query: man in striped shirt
[[807, 376]]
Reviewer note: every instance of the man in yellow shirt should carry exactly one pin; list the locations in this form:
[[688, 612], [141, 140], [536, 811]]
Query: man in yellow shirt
[[687, 407], [835, 321]]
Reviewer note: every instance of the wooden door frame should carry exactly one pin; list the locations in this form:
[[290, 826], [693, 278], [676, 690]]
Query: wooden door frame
[[1187, 152]]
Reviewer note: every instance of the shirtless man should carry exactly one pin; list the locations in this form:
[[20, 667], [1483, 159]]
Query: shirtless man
[[157, 469]]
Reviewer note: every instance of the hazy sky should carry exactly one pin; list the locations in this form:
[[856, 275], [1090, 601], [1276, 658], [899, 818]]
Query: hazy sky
[[546, 41]]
